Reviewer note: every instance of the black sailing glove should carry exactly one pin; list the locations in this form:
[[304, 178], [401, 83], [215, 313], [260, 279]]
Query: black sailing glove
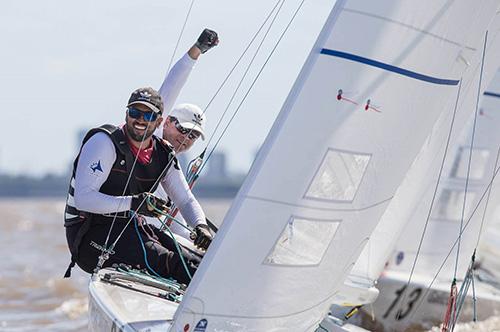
[[203, 238], [149, 205], [207, 40]]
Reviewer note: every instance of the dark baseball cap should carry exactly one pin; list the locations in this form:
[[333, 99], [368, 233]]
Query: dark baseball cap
[[148, 97]]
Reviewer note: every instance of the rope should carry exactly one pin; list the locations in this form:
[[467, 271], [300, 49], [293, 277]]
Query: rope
[[457, 299], [180, 35], [105, 252], [405, 291], [465, 286], [143, 248], [241, 57], [179, 251], [255, 80], [246, 71], [455, 243], [460, 299]]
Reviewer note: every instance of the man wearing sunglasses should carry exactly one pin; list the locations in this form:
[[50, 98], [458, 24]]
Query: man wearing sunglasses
[[110, 190]]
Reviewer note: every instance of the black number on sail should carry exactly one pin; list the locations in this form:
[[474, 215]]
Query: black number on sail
[[412, 298]]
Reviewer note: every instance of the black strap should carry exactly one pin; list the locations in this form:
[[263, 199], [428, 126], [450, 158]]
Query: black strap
[[75, 245], [71, 265]]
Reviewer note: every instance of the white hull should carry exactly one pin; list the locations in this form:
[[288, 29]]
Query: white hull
[[430, 312], [116, 308]]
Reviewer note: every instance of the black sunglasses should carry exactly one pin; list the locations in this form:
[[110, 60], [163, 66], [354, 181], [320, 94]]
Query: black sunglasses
[[192, 134], [137, 113]]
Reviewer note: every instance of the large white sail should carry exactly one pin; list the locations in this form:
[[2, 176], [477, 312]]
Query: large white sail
[[444, 224], [416, 191], [369, 94]]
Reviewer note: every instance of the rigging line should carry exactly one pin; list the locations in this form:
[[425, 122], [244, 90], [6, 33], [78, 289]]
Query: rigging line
[[104, 248], [180, 35], [230, 73], [246, 72], [144, 136], [424, 296], [169, 163], [470, 153], [162, 174], [253, 82], [240, 58], [486, 205], [405, 291]]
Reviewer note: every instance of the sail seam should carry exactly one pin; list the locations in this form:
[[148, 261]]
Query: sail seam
[[354, 11], [320, 208], [388, 67]]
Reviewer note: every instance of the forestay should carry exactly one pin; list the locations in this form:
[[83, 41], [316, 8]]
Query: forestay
[[367, 97], [409, 208]]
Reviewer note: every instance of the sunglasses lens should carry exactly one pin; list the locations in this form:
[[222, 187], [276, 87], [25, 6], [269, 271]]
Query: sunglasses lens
[[136, 114], [149, 116], [192, 135]]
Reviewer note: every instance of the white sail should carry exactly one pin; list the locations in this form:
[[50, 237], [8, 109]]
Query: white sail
[[444, 223], [396, 311], [374, 84], [416, 191]]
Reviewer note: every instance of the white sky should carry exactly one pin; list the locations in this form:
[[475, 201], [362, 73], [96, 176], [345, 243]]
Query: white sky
[[67, 66]]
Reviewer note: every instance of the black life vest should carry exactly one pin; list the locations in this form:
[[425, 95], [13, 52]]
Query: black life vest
[[144, 179]]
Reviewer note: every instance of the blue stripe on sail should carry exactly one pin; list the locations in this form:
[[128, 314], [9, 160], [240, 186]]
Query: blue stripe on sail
[[388, 67], [492, 94]]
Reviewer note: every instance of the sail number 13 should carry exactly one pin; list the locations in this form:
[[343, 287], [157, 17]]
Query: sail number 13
[[405, 308]]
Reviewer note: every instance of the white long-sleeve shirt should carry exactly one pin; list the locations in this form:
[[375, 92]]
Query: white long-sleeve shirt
[[172, 85], [97, 157], [170, 89]]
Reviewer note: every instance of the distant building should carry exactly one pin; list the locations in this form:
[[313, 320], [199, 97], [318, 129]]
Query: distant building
[[217, 167]]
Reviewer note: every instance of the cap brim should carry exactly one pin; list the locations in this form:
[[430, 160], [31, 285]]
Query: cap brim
[[145, 103], [190, 125]]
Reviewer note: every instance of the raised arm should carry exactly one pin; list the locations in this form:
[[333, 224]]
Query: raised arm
[[178, 75]]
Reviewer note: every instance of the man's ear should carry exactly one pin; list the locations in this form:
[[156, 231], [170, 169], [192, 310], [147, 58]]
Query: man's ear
[[167, 120]]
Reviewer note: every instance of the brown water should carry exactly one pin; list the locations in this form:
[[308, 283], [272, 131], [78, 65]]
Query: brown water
[[33, 294]]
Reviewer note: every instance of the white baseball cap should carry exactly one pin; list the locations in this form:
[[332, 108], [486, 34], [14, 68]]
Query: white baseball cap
[[190, 117]]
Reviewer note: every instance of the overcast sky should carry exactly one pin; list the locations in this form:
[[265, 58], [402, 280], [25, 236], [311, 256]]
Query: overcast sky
[[67, 66]]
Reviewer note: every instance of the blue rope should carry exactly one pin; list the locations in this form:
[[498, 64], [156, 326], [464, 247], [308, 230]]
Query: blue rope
[[180, 254], [146, 256], [144, 248]]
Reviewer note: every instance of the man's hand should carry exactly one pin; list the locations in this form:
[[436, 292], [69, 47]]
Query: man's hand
[[203, 237], [207, 40], [149, 205]]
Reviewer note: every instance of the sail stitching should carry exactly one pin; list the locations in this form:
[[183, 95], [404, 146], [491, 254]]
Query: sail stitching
[[406, 25], [320, 208]]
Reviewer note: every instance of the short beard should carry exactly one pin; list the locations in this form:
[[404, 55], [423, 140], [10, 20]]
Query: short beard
[[139, 138]]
